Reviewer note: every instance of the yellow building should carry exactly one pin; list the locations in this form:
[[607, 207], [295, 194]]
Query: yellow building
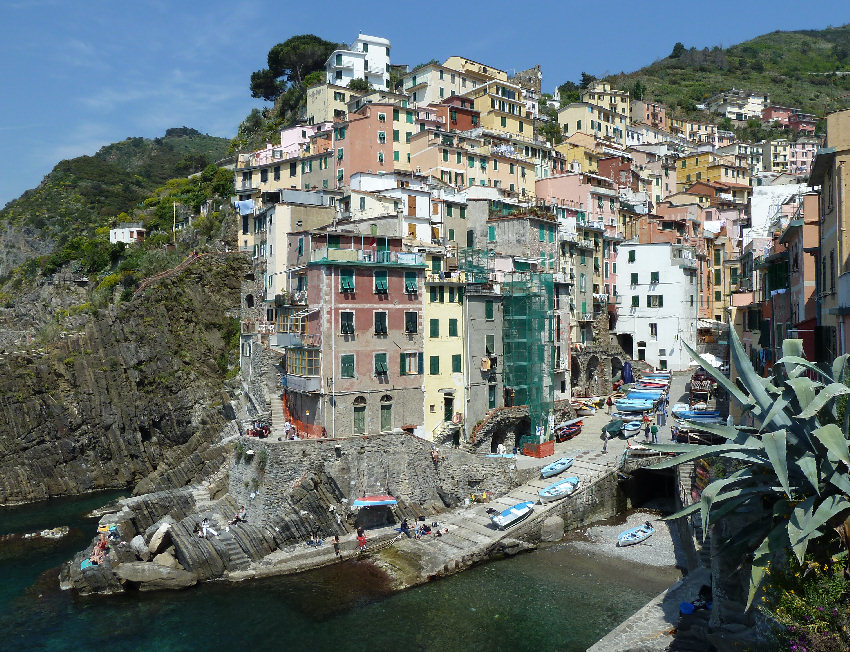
[[443, 382], [775, 155], [462, 64], [502, 108], [328, 102], [601, 94], [583, 156], [708, 166], [697, 132], [602, 123]]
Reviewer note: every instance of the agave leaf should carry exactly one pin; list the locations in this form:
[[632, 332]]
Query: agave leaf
[[800, 517], [841, 481], [778, 406], [685, 511], [804, 389], [792, 347], [825, 395], [839, 367], [712, 490], [732, 433], [809, 466], [792, 359], [774, 542], [829, 507], [749, 377], [833, 439], [775, 446], [694, 453], [727, 384]]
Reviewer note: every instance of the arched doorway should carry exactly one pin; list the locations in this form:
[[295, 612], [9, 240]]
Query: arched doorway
[[575, 371], [616, 369], [626, 343], [386, 413], [592, 368], [249, 300], [359, 416]]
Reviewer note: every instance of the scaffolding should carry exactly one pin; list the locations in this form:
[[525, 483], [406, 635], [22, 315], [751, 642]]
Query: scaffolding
[[475, 264], [529, 352]]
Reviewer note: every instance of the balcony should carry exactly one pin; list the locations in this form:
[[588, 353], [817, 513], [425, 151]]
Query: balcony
[[584, 316], [600, 297], [303, 384], [446, 278], [324, 255]]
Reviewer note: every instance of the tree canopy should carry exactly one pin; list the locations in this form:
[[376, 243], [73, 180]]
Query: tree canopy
[[289, 63], [360, 85]]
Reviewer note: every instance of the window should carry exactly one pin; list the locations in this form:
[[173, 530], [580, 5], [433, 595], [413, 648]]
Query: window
[[434, 363], [433, 294], [635, 301], [470, 238], [692, 301], [490, 344], [436, 264], [411, 363], [653, 277], [491, 234], [409, 117], [488, 310], [435, 328], [463, 212], [451, 234], [381, 364], [380, 323], [634, 278], [346, 279], [653, 331], [631, 255], [302, 362], [718, 295], [452, 325], [456, 363], [449, 210], [395, 155], [346, 364], [491, 396], [504, 121], [716, 257], [445, 155], [654, 301], [346, 320], [717, 279], [362, 203], [382, 137], [410, 284], [541, 234], [410, 322], [396, 136]]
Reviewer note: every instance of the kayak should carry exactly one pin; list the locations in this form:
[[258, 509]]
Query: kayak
[[635, 535], [559, 489], [556, 467], [512, 515]]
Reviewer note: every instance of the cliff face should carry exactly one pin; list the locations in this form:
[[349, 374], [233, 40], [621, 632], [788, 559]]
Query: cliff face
[[137, 393]]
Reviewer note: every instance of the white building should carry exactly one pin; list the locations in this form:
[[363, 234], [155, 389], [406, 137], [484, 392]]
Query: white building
[[368, 58], [660, 298], [738, 105], [129, 232]]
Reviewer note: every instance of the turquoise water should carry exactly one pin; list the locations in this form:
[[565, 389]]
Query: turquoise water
[[552, 599]]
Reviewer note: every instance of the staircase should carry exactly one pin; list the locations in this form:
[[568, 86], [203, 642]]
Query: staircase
[[235, 556]]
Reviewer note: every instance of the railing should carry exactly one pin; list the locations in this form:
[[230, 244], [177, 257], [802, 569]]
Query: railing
[[366, 256]]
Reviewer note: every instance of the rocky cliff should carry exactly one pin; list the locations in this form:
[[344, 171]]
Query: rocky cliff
[[137, 394]]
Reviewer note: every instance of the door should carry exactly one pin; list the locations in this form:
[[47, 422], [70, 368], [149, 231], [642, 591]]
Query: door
[[359, 419], [448, 408], [411, 205], [386, 417]]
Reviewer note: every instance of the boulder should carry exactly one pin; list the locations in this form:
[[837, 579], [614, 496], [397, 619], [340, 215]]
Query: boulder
[[138, 546], [161, 539], [149, 532], [168, 559], [152, 577], [553, 529]]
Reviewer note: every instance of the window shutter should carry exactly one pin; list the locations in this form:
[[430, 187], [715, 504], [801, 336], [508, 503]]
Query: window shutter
[[456, 363], [421, 362], [435, 365], [435, 328], [401, 364], [660, 300]]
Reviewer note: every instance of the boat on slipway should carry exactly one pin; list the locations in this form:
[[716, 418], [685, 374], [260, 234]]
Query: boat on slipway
[[556, 467], [634, 405], [631, 428], [558, 490], [512, 515]]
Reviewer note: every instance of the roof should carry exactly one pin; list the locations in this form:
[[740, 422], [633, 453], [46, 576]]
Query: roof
[[823, 159]]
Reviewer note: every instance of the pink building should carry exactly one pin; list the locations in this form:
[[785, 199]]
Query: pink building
[[801, 154], [780, 114], [803, 123]]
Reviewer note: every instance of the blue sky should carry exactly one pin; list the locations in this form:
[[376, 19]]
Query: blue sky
[[79, 75]]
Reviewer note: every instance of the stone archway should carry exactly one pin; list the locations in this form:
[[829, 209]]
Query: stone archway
[[616, 369], [592, 368], [249, 300], [575, 372], [626, 342]]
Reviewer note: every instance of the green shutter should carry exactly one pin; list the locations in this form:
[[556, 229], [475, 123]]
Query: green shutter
[[380, 363], [491, 234], [653, 277], [436, 264], [381, 282], [346, 280], [421, 363], [452, 327], [442, 294], [410, 284], [634, 278], [451, 235], [631, 255], [346, 363], [542, 234], [433, 294], [488, 309], [660, 300], [401, 364], [456, 364], [435, 365], [435, 328], [635, 301]]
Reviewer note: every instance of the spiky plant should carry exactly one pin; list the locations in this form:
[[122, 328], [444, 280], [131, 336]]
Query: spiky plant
[[791, 471]]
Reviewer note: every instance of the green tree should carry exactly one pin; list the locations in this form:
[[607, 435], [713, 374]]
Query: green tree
[[586, 80], [315, 78], [360, 85], [569, 92], [289, 64], [639, 90], [678, 50]]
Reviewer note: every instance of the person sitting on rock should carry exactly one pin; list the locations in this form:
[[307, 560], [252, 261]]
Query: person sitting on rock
[[206, 527], [239, 517], [405, 528]]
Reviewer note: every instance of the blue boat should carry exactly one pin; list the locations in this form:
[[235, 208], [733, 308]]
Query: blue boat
[[631, 428], [512, 515], [634, 405], [645, 393], [559, 489], [509, 456], [635, 535], [556, 467], [683, 411]]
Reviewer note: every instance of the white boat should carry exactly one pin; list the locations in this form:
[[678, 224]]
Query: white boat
[[559, 489], [635, 535], [556, 467], [512, 515], [631, 428]]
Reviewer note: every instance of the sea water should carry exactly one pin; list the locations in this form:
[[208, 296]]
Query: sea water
[[551, 599]]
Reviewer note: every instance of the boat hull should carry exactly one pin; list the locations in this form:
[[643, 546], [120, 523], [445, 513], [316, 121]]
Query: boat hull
[[513, 515], [635, 536], [556, 467], [558, 490]]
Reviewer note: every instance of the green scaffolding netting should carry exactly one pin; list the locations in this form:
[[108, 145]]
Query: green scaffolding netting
[[529, 354]]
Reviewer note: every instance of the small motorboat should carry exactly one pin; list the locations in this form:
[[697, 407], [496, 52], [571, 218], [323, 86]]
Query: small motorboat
[[631, 428], [559, 489], [635, 535], [556, 467], [683, 411], [645, 393], [634, 405], [568, 429], [374, 501], [512, 515], [584, 409]]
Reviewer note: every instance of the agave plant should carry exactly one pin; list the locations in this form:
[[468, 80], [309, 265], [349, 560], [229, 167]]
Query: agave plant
[[791, 470]]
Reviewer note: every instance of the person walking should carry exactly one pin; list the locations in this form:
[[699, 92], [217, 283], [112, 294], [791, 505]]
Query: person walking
[[654, 431], [604, 441], [336, 545], [646, 431], [609, 403]]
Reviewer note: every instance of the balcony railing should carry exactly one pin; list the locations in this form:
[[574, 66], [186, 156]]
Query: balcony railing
[[366, 256]]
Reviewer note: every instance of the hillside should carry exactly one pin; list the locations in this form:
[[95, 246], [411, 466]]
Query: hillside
[[83, 193], [796, 68]]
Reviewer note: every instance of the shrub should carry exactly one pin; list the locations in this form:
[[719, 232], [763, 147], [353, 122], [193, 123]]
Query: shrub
[[238, 452]]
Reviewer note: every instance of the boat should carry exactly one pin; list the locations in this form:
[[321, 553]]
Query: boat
[[583, 409], [631, 428], [512, 515], [613, 427], [568, 429], [374, 501], [509, 456], [635, 535], [684, 411], [651, 385], [559, 489], [556, 467], [645, 393], [634, 405]]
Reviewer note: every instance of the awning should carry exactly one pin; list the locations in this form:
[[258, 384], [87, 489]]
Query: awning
[[373, 501]]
